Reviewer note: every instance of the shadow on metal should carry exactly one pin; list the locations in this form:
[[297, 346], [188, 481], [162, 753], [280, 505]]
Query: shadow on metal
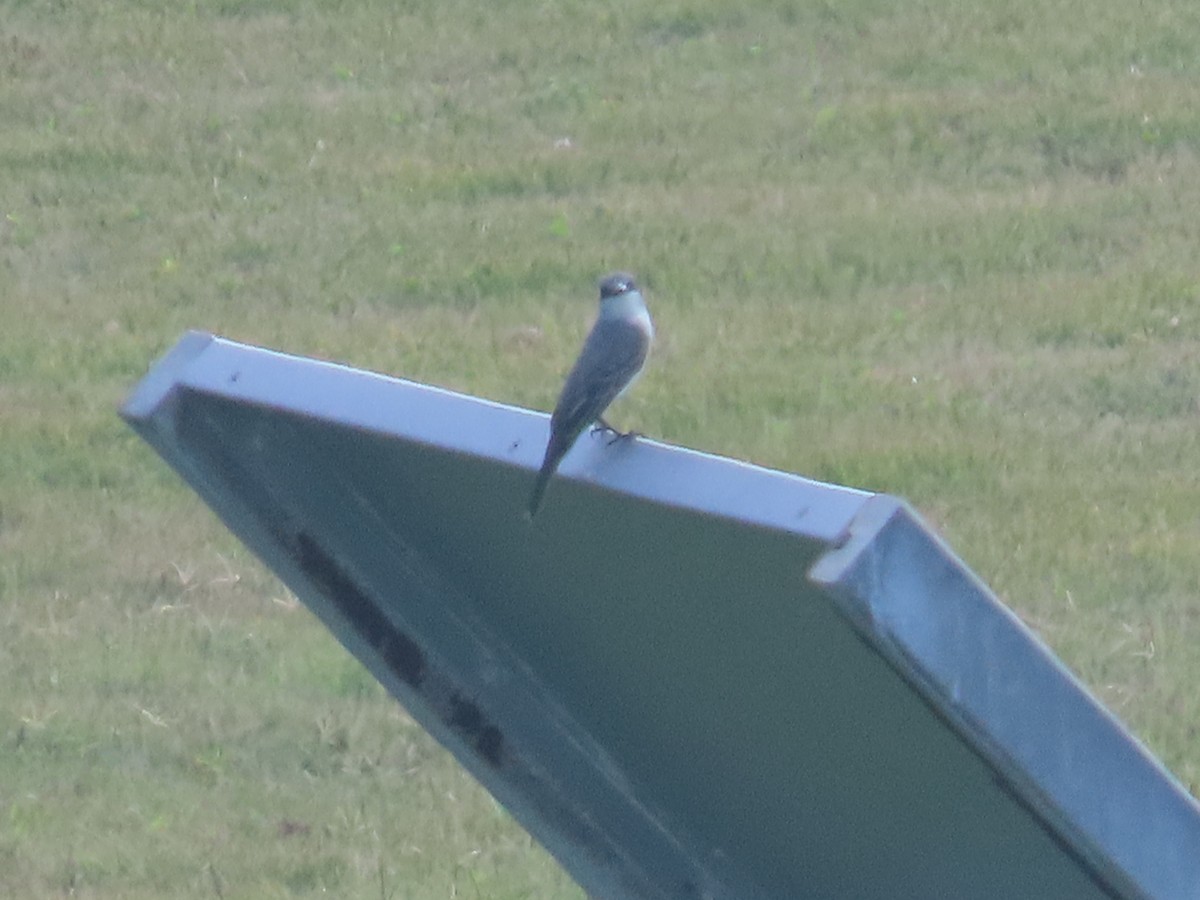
[[688, 677]]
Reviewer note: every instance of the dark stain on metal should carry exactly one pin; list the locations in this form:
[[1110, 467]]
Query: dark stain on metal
[[469, 721], [398, 650]]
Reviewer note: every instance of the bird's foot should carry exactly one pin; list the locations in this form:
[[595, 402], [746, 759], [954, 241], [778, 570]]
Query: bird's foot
[[617, 435], [623, 436]]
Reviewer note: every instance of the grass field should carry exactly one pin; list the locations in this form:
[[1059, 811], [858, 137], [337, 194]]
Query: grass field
[[948, 250]]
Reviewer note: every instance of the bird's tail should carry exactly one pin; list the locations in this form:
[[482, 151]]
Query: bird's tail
[[556, 449], [539, 488]]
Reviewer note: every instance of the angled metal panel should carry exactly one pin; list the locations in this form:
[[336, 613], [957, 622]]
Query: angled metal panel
[[646, 676], [1059, 750]]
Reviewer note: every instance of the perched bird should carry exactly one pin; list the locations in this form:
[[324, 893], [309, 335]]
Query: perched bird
[[612, 357]]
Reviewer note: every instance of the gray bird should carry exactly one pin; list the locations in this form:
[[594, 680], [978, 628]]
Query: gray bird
[[612, 357]]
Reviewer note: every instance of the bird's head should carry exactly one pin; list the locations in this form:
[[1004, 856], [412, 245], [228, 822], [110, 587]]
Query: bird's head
[[616, 284]]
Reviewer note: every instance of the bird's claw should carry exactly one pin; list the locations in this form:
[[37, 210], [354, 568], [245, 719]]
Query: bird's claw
[[601, 425], [623, 436]]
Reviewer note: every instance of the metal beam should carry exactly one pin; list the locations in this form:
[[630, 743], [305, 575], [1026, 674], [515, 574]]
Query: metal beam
[[689, 677]]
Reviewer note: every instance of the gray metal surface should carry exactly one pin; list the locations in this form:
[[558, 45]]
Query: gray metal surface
[[648, 676]]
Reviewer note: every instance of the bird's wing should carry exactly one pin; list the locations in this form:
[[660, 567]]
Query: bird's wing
[[613, 353]]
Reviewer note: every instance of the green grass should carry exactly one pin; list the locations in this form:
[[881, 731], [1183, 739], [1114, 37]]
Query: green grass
[[946, 250]]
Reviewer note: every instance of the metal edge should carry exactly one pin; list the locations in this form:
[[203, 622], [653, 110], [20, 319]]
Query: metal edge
[[505, 434], [164, 376]]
